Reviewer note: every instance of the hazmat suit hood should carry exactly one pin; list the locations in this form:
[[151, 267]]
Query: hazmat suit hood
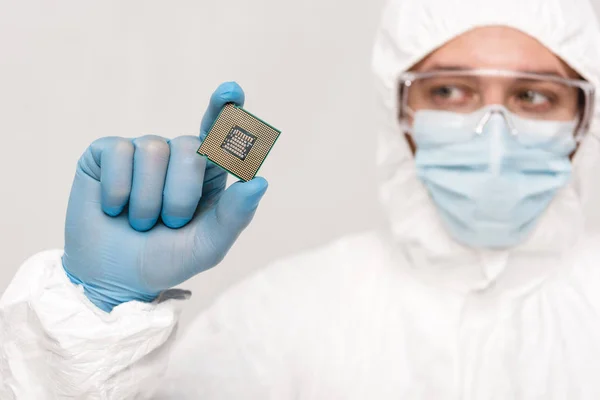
[[409, 31]]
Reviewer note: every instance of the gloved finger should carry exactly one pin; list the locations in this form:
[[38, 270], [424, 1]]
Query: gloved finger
[[228, 92], [183, 185], [112, 164], [150, 162], [215, 180], [221, 226]]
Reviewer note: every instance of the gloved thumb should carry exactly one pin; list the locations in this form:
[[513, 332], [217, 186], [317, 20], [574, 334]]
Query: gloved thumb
[[224, 222]]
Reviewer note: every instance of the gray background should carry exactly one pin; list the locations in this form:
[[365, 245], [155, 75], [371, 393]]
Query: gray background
[[72, 71]]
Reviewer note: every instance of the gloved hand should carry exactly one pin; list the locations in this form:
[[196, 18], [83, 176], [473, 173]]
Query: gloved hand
[[146, 214]]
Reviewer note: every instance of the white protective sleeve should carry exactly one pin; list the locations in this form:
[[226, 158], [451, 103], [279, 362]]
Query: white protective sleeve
[[54, 343]]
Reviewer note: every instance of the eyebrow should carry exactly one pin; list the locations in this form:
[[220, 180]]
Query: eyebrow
[[457, 67]]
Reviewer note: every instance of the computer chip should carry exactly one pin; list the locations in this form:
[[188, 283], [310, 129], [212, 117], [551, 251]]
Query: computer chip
[[239, 142]]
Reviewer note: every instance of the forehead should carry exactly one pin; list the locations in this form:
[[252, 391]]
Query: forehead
[[496, 47]]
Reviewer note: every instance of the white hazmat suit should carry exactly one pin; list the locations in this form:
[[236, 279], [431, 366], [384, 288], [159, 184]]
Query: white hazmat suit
[[401, 314]]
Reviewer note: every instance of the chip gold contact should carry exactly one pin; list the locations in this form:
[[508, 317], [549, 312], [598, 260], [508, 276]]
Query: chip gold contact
[[239, 142]]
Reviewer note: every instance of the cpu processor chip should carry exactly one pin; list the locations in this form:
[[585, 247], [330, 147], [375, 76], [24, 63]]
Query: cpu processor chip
[[239, 142]]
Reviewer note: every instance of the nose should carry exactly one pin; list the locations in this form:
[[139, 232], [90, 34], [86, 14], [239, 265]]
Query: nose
[[496, 111], [496, 130], [493, 93]]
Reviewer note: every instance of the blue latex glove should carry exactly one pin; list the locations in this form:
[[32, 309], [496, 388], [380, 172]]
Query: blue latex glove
[[147, 214]]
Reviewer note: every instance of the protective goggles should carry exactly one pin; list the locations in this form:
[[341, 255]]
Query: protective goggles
[[530, 96]]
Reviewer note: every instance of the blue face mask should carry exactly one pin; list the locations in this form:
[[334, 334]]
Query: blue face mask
[[491, 187]]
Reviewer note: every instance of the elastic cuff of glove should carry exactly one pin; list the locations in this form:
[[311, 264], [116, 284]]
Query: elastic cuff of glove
[[107, 303]]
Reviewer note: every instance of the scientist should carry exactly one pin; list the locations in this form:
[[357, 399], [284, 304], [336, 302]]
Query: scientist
[[486, 284]]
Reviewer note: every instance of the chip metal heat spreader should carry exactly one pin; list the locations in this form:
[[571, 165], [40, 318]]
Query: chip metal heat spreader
[[239, 142]]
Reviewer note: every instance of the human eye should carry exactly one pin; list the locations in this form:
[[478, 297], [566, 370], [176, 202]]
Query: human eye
[[451, 95], [537, 97], [533, 98]]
